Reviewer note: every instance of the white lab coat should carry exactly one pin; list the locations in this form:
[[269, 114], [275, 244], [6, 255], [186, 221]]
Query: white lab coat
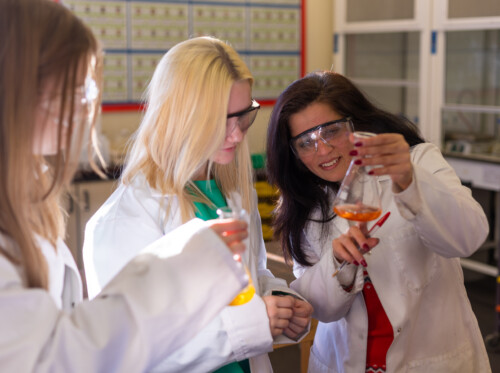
[[144, 314], [134, 216], [416, 271]]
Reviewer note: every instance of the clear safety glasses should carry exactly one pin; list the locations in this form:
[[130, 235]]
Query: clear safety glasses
[[90, 92], [244, 118], [85, 101], [306, 144]]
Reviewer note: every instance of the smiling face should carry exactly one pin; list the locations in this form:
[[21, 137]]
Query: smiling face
[[329, 162]]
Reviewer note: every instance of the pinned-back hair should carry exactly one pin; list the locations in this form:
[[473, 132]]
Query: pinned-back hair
[[41, 44], [185, 122]]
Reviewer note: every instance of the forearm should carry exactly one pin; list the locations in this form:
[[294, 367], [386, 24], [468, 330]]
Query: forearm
[[325, 293], [144, 314]]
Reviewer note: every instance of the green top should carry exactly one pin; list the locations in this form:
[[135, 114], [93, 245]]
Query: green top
[[211, 190], [206, 212]]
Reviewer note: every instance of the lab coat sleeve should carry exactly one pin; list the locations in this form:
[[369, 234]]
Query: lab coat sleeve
[[444, 214], [118, 231], [240, 332], [268, 283], [326, 294], [112, 238], [144, 314]]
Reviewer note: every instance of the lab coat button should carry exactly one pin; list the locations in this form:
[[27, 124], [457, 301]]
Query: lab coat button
[[399, 330]]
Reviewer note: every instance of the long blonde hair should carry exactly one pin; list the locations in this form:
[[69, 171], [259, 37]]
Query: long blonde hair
[[185, 123], [40, 41]]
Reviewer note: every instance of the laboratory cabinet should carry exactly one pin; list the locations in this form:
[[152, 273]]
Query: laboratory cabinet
[[437, 62], [380, 45], [82, 201]]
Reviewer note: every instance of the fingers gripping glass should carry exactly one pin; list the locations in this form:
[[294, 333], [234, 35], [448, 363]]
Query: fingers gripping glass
[[306, 143], [248, 292], [244, 118]]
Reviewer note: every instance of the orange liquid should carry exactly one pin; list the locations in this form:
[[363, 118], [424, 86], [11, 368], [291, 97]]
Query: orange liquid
[[245, 295], [357, 212]]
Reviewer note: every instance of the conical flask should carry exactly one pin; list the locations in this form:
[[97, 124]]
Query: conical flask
[[249, 291], [358, 198]]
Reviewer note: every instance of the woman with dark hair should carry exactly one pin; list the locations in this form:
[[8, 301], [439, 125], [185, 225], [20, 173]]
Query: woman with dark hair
[[402, 307]]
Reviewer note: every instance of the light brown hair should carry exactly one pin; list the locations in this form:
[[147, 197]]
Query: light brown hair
[[40, 42]]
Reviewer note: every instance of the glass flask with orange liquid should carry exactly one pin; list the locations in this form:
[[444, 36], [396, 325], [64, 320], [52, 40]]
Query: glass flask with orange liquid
[[358, 198], [249, 291]]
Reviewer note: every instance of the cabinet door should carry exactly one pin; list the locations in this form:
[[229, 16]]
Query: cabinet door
[[386, 67], [383, 47], [379, 10], [467, 102]]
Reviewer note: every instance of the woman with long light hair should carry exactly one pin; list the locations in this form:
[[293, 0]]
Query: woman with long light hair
[[50, 66], [190, 157]]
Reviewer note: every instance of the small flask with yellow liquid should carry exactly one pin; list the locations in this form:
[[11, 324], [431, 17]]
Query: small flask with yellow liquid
[[249, 291]]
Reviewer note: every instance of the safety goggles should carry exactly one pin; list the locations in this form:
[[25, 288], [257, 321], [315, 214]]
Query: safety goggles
[[305, 144], [244, 118], [85, 101], [89, 92]]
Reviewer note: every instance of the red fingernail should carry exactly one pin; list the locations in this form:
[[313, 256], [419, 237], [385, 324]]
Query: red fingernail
[[358, 162], [353, 152], [358, 143], [363, 263], [370, 172], [366, 247], [355, 263]]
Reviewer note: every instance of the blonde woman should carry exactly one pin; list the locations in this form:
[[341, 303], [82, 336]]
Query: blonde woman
[[188, 158], [49, 78]]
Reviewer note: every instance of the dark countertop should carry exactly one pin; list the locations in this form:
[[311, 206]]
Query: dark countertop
[[473, 157]]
